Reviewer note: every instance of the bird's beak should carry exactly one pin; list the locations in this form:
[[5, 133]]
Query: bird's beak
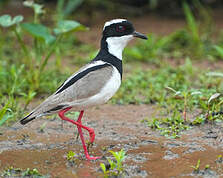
[[139, 35]]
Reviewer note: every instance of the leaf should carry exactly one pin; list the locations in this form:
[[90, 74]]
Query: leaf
[[112, 164], [72, 6], [38, 9], [213, 97], [196, 93], [66, 26], [177, 93], [3, 111], [215, 74], [3, 116], [7, 21], [28, 3], [17, 19], [192, 25], [170, 89], [115, 154], [39, 31], [103, 167], [122, 155], [219, 50]]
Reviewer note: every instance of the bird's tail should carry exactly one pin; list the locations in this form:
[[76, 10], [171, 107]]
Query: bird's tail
[[27, 119]]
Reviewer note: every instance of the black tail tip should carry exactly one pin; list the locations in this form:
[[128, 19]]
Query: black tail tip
[[26, 119]]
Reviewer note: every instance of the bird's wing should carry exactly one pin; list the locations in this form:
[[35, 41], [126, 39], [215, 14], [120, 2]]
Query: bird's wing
[[85, 83]]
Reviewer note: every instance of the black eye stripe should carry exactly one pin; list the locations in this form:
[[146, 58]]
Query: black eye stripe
[[116, 29], [120, 28]]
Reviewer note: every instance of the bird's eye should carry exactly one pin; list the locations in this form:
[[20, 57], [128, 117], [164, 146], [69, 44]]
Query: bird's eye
[[120, 28]]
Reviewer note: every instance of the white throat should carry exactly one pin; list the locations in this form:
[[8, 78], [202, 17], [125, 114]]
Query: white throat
[[117, 44]]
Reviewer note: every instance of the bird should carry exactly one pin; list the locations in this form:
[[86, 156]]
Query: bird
[[94, 83]]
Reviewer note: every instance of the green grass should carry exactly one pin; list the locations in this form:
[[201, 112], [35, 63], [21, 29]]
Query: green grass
[[176, 91], [169, 126], [195, 40], [150, 85]]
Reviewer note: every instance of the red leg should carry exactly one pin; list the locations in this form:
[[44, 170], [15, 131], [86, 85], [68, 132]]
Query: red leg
[[80, 116], [90, 130], [79, 130], [79, 125], [79, 120]]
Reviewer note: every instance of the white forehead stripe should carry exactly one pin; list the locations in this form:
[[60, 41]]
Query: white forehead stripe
[[113, 21]]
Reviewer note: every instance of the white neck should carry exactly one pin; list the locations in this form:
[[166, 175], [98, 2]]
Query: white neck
[[117, 44]]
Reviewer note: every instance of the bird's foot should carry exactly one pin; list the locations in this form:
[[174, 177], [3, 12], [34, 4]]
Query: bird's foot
[[92, 158]]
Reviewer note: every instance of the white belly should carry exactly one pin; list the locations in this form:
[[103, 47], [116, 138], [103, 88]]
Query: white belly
[[104, 95]]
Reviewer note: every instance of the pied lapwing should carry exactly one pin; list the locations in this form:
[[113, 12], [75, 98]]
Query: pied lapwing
[[93, 84]]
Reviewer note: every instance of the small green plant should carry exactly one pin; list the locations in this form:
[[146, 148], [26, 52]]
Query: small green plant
[[115, 167], [18, 172], [42, 127], [207, 166], [10, 110], [10, 171], [3, 116], [105, 171], [214, 104], [197, 166], [169, 126], [31, 172], [198, 120], [71, 156], [219, 159], [185, 96]]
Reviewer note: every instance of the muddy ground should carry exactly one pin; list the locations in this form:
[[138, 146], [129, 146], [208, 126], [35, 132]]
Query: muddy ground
[[116, 127]]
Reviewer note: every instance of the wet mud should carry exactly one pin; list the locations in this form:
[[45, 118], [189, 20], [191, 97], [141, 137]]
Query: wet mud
[[44, 143]]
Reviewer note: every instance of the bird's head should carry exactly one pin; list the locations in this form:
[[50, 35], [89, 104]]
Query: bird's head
[[117, 33]]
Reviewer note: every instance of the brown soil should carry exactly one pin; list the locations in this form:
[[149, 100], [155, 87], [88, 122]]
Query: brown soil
[[116, 127]]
